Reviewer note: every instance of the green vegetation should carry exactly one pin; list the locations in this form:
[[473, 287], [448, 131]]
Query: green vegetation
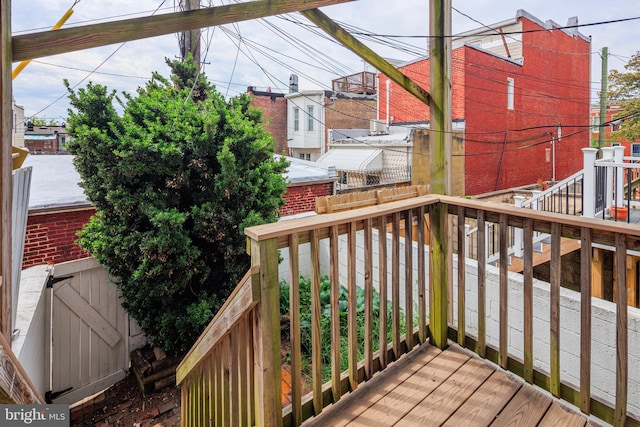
[[175, 180], [325, 322], [625, 87]]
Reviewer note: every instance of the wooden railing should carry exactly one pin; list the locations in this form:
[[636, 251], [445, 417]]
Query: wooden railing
[[235, 368]]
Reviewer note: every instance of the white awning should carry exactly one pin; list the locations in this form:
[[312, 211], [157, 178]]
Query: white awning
[[353, 160]]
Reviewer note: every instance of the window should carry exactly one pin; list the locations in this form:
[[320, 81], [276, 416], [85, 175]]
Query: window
[[510, 93], [296, 119], [310, 118], [595, 122], [305, 156]]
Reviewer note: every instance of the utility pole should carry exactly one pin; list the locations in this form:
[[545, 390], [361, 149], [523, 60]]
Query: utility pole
[[191, 38], [440, 137], [603, 98]]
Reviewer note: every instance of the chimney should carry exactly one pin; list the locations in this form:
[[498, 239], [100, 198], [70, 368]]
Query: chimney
[[293, 83]]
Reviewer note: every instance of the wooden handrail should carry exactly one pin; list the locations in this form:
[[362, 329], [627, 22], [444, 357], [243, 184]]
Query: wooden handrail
[[256, 320], [244, 297], [15, 384]]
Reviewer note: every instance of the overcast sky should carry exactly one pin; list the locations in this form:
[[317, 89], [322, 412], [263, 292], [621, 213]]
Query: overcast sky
[[272, 49]]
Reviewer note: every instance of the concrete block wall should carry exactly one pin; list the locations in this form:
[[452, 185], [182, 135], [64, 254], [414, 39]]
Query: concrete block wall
[[603, 353]]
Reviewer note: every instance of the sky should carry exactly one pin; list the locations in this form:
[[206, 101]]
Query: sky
[[264, 53]]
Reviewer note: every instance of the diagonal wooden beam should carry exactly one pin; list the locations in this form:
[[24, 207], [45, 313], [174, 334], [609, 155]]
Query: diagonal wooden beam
[[36, 45], [357, 47]]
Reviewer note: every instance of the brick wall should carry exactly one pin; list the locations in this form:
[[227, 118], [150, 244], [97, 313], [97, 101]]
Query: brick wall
[[274, 113], [302, 198], [348, 113], [509, 148], [50, 237]]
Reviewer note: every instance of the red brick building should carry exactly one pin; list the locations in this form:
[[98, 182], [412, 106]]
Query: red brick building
[[274, 114], [45, 139], [517, 87]]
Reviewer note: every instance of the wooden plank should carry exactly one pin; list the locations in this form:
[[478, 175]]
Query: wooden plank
[[622, 334], [6, 183], [395, 284], [632, 271], [353, 308], [382, 280], [567, 245], [504, 292], [316, 332], [268, 404], [449, 396], [422, 280], [462, 236], [334, 272], [527, 236], [36, 45], [368, 298], [554, 307], [559, 415], [234, 377], [394, 405], [370, 392], [585, 320], [486, 403], [294, 327], [88, 314], [439, 276], [482, 291], [357, 47], [526, 408], [597, 273], [408, 278]]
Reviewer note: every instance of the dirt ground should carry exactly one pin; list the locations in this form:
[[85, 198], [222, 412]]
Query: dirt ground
[[124, 405]]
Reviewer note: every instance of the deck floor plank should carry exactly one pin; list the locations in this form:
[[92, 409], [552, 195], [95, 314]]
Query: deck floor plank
[[558, 415], [354, 404], [526, 408], [450, 395], [487, 402], [454, 387], [394, 405]]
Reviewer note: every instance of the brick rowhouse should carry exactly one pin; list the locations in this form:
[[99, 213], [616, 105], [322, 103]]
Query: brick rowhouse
[[510, 147]]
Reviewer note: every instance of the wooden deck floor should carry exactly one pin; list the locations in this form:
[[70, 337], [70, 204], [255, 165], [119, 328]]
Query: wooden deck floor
[[430, 387]]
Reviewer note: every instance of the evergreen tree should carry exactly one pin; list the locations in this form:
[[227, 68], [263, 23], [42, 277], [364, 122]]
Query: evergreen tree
[[175, 180], [625, 87]]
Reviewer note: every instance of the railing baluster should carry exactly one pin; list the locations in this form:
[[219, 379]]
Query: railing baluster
[[234, 379], [316, 332], [622, 356], [554, 306], [528, 300], [408, 282], [422, 304], [461, 277], [353, 308], [504, 291], [335, 312], [482, 296], [368, 298], [294, 340], [226, 383], [395, 285], [382, 278], [241, 371], [585, 319]]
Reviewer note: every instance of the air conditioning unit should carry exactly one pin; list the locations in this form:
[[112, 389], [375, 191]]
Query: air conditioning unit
[[378, 127]]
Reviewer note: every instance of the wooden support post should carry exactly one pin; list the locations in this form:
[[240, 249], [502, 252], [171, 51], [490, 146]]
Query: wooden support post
[[632, 286], [6, 181], [268, 387]]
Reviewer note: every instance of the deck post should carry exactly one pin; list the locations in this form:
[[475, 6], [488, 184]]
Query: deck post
[[618, 157], [518, 231], [268, 387], [589, 182], [440, 127], [607, 157]]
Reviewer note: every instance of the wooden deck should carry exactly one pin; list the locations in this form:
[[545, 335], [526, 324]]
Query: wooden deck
[[430, 387]]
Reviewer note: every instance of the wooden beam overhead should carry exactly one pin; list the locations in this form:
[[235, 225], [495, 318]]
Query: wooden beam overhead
[[36, 45], [357, 47]]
